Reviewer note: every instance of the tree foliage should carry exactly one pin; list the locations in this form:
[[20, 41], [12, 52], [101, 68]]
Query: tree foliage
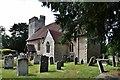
[[19, 34], [98, 21]]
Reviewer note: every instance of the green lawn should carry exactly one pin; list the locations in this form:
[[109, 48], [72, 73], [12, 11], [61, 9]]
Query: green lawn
[[68, 71]]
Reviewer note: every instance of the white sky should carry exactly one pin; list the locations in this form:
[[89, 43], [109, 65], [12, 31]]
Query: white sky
[[17, 11]]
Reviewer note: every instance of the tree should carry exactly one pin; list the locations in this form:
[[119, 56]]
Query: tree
[[19, 34], [98, 21]]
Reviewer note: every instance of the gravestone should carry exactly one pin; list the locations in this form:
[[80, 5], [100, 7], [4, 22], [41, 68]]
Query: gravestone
[[76, 59], [36, 59], [51, 60], [100, 66], [58, 65], [68, 59], [92, 61], [22, 67], [44, 64], [8, 61], [116, 60], [64, 58], [62, 63]]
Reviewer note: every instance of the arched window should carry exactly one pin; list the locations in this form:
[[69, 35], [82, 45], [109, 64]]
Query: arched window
[[71, 47], [47, 47], [39, 45]]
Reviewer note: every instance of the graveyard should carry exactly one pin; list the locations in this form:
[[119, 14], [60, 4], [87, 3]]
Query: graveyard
[[70, 70]]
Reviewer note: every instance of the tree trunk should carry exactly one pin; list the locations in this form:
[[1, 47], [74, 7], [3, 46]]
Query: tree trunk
[[113, 61]]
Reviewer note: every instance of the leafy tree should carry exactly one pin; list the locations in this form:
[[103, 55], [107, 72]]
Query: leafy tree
[[19, 34], [98, 21]]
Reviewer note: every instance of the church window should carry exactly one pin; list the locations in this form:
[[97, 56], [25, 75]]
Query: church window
[[71, 47], [48, 47], [39, 45]]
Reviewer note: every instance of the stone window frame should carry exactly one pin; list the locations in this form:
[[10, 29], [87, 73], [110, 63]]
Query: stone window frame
[[71, 47], [38, 46], [47, 47]]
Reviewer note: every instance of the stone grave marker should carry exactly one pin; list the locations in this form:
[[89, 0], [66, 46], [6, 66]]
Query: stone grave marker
[[22, 67], [76, 59], [51, 60], [92, 61], [64, 58], [62, 63], [116, 60], [101, 69], [36, 59], [58, 65], [8, 61], [68, 59], [44, 64]]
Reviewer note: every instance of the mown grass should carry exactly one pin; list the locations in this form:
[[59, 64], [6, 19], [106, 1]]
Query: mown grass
[[68, 71]]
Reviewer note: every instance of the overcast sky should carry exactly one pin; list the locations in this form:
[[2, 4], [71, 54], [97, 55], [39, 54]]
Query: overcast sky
[[17, 11]]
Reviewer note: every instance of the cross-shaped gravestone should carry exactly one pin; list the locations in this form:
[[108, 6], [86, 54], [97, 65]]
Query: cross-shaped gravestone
[[8, 61], [22, 67], [44, 64]]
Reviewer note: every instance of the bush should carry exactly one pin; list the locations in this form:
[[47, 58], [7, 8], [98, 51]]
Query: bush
[[7, 51]]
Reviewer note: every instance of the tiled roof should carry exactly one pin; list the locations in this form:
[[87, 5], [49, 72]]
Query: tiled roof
[[43, 31], [56, 35], [30, 48]]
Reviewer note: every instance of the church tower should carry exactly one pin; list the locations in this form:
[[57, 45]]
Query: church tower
[[35, 24]]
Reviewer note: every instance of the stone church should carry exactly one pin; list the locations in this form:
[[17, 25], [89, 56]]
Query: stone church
[[46, 40]]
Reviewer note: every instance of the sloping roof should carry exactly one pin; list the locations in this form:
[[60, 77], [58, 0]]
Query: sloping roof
[[56, 35], [30, 48], [43, 31]]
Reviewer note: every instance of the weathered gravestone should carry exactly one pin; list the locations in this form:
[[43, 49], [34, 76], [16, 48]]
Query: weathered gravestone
[[36, 59], [8, 61], [64, 58], [44, 64], [51, 60], [22, 67], [68, 59], [92, 61], [116, 60], [101, 69], [58, 65], [76, 59], [62, 63]]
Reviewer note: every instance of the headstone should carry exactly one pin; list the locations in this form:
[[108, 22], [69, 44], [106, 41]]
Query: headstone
[[76, 59], [68, 59], [100, 66], [62, 63], [8, 61], [58, 65], [36, 59], [44, 64], [82, 61], [64, 58], [116, 60], [92, 61], [22, 67], [51, 60]]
